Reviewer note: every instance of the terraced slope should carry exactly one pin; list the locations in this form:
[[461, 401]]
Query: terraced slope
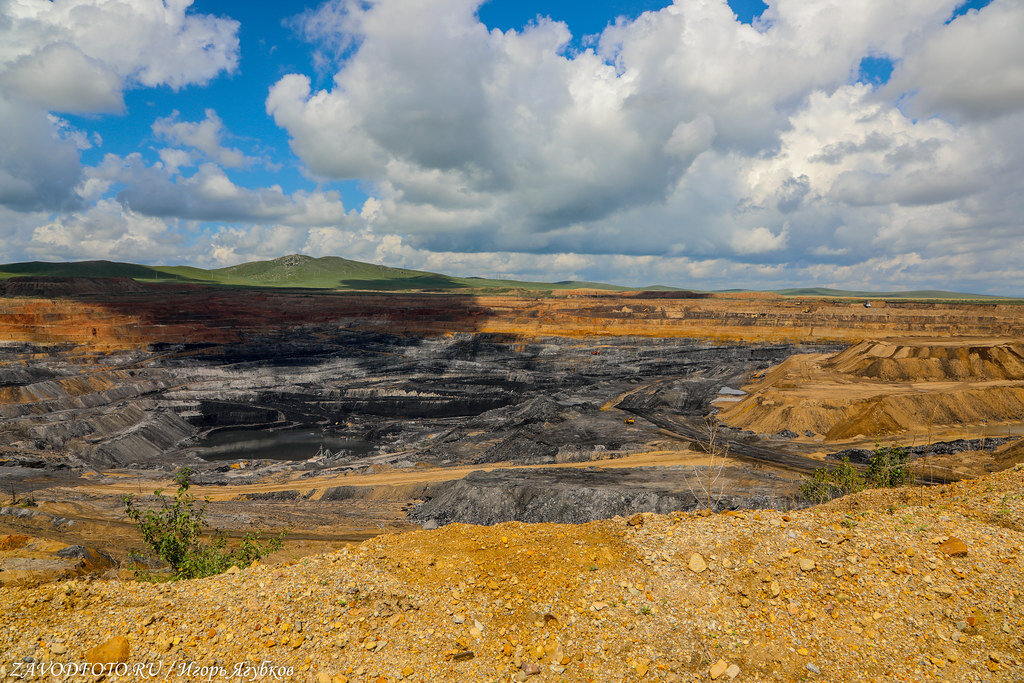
[[932, 362], [867, 294], [887, 388]]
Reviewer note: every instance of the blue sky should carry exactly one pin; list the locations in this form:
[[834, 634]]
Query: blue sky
[[698, 143]]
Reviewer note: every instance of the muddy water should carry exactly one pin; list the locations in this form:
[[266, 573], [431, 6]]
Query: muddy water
[[270, 444]]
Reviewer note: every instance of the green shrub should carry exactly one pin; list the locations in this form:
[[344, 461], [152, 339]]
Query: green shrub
[[889, 467], [828, 483], [175, 528]]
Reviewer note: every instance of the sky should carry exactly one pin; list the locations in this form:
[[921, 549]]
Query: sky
[[701, 143]]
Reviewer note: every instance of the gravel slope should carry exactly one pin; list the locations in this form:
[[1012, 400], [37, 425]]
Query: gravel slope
[[904, 585]]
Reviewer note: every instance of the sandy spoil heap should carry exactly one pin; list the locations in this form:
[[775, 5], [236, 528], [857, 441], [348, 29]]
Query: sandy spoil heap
[[931, 361], [879, 388]]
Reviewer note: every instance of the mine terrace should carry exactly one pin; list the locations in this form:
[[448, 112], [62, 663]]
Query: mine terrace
[[342, 415]]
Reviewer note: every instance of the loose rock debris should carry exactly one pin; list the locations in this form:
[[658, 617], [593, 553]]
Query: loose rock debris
[[864, 588]]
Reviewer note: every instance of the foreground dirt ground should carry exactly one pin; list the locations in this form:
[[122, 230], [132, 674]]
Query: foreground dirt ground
[[903, 585]]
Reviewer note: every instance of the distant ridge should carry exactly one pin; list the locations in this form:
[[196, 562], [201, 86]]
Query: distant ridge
[[336, 273], [913, 294], [294, 270]]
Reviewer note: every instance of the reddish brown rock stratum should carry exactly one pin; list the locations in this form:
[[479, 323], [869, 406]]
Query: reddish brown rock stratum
[[127, 318]]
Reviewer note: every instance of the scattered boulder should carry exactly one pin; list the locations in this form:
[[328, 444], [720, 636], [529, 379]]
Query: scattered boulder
[[530, 668], [113, 651], [718, 669], [92, 560], [953, 547]]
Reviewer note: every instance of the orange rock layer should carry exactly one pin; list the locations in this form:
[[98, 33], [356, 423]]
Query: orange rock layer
[[179, 314]]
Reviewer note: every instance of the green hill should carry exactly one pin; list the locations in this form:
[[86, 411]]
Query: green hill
[[335, 273], [90, 269], [297, 271]]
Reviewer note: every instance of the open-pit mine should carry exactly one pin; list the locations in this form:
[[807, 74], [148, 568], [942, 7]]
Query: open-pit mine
[[341, 415]]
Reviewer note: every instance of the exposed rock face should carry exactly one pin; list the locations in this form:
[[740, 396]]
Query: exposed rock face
[[116, 316], [863, 456], [26, 560], [479, 398], [575, 496]]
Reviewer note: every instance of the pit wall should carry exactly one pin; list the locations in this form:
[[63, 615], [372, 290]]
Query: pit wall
[[137, 320]]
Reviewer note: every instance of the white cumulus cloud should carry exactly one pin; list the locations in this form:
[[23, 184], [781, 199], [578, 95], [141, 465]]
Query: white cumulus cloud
[[79, 56], [683, 134], [205, 136]]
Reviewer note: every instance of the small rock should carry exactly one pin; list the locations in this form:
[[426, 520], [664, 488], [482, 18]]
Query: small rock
[[718, 669], [459, 619], [953, 547], [697, 563], [113, 651], [464, 656], [813, 669], [775, 589], [323, 677], [233, 569], [58, 649], [806, 564], [732, 672], [529, 668], [636, 520]]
